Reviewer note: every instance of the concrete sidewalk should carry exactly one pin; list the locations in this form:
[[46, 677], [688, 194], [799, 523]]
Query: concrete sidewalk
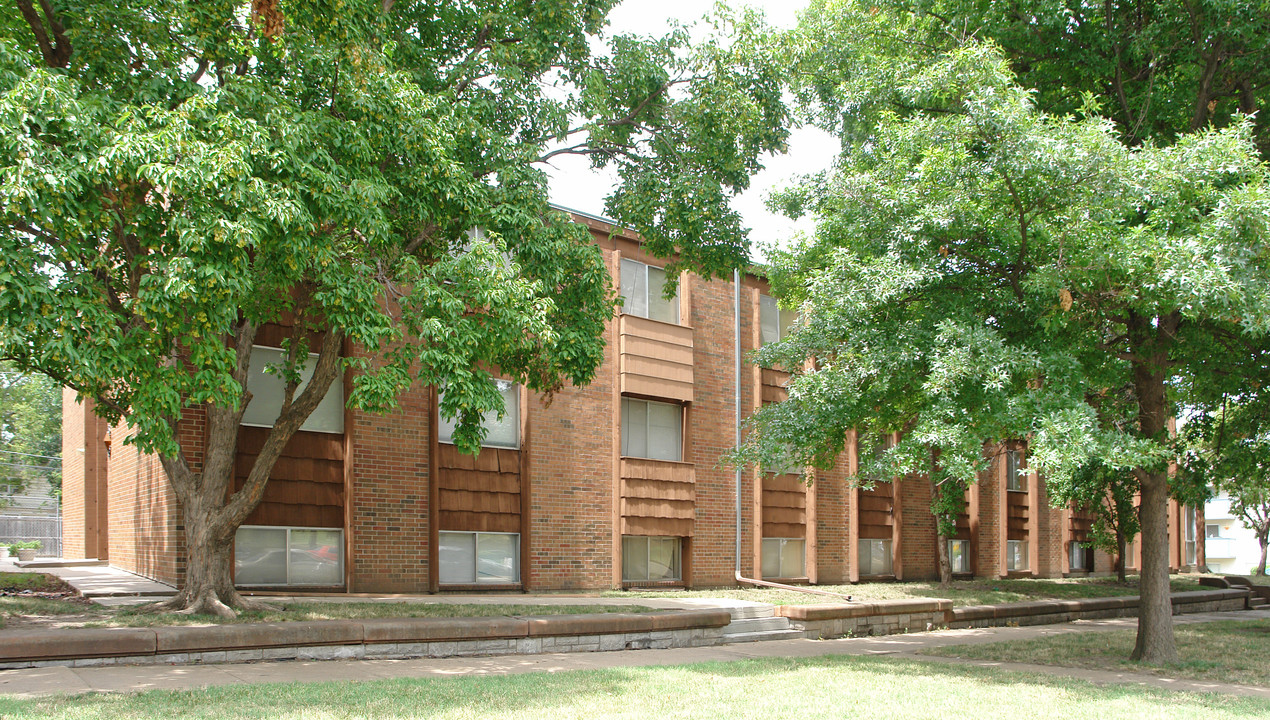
[[55, 680]]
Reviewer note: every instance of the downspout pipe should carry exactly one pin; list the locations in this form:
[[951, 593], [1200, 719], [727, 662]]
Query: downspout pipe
[[736, 285]]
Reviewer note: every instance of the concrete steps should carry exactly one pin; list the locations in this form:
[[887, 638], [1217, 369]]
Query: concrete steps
[[1256, 603], [753, 623]]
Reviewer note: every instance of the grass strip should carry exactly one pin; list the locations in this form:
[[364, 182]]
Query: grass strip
[[838, 687], [1228, 651]]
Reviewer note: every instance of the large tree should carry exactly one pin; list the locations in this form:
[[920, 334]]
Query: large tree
[[30, 430], [178, 175], [983, 270]]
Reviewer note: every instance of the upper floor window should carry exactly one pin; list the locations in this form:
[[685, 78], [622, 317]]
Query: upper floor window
[[1014, 473], [267, 390], [644, 293], [652, 430], [499, 432], [774, 321]]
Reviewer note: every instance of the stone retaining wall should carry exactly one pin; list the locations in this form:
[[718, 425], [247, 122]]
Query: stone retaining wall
[[898, 616], [384, 638]]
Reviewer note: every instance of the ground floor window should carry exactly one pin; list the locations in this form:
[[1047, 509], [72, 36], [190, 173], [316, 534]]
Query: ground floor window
[[784, 557], [1016, 555], [1079, 555], [959, 556], [288, 556], [651, 559], [875, 557], [467, 558]]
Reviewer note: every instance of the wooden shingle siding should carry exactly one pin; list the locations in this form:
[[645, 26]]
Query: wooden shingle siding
[[876, 511], [656, 358], [478, 493], [1017, 515], [306, 486], [784, 506], [658, 497]]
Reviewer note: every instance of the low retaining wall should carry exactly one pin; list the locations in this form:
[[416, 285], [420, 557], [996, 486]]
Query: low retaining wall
[[384, 638], [898, 616], [888, 617]]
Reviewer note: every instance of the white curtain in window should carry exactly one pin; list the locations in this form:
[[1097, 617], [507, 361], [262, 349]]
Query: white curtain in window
[[659, 308], [456, 553], [634, 288], [267, 390], [505, 432]]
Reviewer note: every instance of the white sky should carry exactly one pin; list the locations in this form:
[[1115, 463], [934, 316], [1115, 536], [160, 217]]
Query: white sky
[[575, 185]]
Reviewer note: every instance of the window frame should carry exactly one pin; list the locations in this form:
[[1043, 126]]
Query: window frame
[[1015, 472], [959, 549], [624, 440], [781, 543], [336, 388], [287, 550], [476, 558], [766, 304], [887, 545], [1016, 552], [677, 562], [448, 438], [676, 306], [1081, 550]]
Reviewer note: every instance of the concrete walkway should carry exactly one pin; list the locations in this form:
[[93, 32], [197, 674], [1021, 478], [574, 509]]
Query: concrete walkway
[[57, 680]]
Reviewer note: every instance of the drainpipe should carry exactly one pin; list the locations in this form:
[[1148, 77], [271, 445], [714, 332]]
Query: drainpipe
[[736, 285]]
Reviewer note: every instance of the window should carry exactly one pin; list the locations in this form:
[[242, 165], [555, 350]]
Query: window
[[1079, 554], [643, 293], [1131, 553], [650, 559], [1212, 530], [1016, 555], [267, 389], [288, 556], [478, 557], [1014, 474], [774, 321], [875, 557], [652, 430], [504, 432], [959, 556], [1188, 534], [784, 557]]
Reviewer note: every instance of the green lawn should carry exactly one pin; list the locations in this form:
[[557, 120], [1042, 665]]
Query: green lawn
[[1232, 652], [306, 610], [839, 687], [961, 592], [15, 602]]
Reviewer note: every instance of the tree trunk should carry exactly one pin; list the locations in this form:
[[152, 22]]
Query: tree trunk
[[1155, 608], [1122, 571], [1150, 339], [210, 512], [945, 570], [1264, 540]]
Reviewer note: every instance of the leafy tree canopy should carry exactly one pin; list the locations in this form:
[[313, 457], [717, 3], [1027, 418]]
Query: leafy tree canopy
[[177, 175], [985, 270]]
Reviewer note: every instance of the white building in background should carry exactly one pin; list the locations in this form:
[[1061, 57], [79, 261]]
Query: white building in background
[[1230, 547]]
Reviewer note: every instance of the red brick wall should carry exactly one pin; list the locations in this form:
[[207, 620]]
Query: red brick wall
[[387, 534], [73, 479], [146, 533], [917, 543]]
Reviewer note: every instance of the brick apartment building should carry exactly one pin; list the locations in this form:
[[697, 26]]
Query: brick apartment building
[[614, 484]]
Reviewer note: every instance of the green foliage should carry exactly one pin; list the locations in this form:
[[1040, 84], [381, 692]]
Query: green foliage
[[174, 170], [1229, 451], [30, 429], [984, 270]]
